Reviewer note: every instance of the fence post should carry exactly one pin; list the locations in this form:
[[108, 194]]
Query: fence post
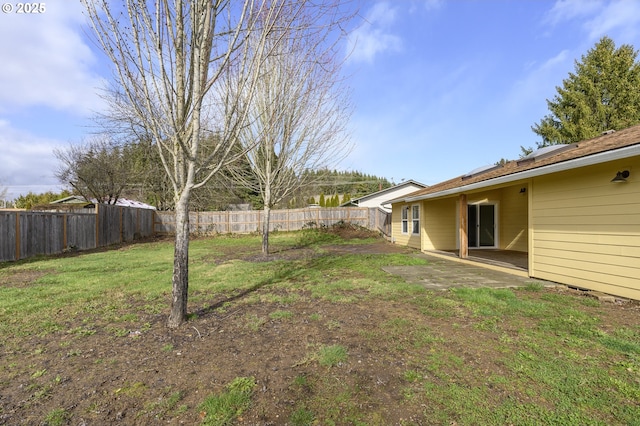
[[17, 236], [97, 225], [64, 231], [121, 209], [153, 223]]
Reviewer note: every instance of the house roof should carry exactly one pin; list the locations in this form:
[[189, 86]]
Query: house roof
[[610, 145], [385, 191], [79, 200], [72, 199]]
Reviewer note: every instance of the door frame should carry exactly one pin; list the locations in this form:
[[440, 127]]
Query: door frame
[[496, 227]]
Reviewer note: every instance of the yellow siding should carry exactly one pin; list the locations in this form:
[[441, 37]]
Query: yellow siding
[[512, 219], [439, 224], [511, 206], [439, 220], [586, 230], [397, 236]]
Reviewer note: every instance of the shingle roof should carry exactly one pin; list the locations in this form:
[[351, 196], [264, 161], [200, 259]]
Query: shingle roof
[[600, 144], [384, 191], [125, 202]]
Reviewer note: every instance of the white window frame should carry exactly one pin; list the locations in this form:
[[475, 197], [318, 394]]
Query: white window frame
[[415, 219], [404, 219]]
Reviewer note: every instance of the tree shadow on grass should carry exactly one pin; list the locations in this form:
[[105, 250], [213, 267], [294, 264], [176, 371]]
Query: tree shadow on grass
[[286, 272]]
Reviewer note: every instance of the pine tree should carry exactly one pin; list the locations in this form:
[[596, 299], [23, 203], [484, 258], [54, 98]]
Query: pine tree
[[602, 94]]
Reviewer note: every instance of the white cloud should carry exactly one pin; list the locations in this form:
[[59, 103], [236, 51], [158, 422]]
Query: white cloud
[[566, 10], [418, 6], [374, 36], [598, 17], [537, 84], [623, 16], [28, 163], [433, 4], [46, 61]]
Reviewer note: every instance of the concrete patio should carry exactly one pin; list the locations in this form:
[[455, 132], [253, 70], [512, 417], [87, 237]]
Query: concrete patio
[[510, 259], [445, 271]]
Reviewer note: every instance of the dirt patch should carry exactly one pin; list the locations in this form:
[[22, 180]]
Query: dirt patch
[[20, 278], [105, 379], [349, 231], [128, 379], [119, 374]]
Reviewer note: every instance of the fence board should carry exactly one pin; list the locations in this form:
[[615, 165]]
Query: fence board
[[109, 224], [382, 221], [24, 234], [81, 231], [244, 222], [146, 218], [7, 235]]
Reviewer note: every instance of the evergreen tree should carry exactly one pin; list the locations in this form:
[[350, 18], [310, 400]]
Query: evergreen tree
[[602, 94], [322, 201], [32, 199]]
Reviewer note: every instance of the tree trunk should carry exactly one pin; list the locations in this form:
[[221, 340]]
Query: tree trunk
[[180, 287], [265, 229]]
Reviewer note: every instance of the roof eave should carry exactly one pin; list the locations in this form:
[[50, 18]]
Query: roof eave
[[391, 188], [602, 157]]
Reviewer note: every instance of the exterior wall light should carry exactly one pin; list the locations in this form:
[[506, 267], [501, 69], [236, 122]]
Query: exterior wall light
[[523, 190], [621, 176]]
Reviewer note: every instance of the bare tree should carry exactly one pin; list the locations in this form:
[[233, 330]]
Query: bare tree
[[184, 72], [98, 169], [298, 115]]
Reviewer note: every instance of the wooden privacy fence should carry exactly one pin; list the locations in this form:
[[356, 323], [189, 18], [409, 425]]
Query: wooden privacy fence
[[24, 234], [244, 222]]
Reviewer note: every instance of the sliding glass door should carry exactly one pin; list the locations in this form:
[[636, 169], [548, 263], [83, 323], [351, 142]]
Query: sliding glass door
[[481, 220]]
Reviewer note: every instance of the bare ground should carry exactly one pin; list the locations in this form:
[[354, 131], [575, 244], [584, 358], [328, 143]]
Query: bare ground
[[129, 379]]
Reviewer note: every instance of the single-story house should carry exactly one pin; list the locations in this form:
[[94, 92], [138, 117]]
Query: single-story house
[[571, 212], [381, 198]]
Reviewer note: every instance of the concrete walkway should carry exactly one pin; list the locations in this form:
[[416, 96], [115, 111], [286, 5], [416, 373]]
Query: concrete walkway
[[442, 273]]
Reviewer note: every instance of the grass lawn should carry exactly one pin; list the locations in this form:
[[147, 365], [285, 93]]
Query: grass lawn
[[316, 334]]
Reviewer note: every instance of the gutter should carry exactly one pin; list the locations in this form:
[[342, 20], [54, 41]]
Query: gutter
[[603, 157]]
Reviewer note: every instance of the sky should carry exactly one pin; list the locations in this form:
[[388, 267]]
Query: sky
[[439, 87]]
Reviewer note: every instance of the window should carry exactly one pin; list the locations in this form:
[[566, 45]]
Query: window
[[415, 219], [405, 220]]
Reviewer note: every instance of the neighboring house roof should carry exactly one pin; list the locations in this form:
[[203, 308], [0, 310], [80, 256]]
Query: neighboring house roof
[[77, 199], [72, 199], [133, 203], [607, 147], [385, 194]]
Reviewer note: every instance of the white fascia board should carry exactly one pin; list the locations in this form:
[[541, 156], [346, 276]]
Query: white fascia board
[[603, 157]]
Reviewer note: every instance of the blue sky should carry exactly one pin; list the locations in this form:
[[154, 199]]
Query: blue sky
[[439, 87]]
